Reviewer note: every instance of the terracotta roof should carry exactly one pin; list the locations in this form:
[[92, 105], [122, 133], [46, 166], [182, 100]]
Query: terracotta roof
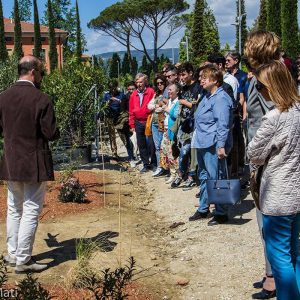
[[26, 27]]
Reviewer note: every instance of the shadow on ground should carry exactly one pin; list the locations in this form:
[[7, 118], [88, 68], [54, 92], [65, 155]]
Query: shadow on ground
[[66, 250]]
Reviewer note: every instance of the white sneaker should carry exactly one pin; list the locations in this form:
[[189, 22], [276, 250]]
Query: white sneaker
[[132, 164], [157, 171], [170, 180]]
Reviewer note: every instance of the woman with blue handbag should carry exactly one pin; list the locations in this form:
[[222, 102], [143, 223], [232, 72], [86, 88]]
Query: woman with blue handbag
[[276, 146], [213, 120]]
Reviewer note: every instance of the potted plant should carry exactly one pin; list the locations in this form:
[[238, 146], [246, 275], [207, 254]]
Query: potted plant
[[73, 91]]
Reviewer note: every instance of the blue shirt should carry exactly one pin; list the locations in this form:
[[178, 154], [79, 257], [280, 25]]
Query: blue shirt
[[116, 104], [213, 121]]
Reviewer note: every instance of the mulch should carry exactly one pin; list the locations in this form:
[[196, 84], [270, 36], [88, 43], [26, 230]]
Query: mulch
[[53, 208]]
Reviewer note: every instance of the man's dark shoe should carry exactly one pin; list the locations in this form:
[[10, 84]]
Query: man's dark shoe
[[197, 195], [144, 170], [218, 219], [198, 216], [189, 184], [264, 294], [176, 182], [30, 267]]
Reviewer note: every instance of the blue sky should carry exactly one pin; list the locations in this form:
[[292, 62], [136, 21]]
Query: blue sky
[[224, 11]]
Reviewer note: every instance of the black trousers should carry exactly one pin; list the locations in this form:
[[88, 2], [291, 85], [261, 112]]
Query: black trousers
[[145, 144]]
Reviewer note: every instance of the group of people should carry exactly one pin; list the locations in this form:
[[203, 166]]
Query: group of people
[[188, 127], [194, 121]]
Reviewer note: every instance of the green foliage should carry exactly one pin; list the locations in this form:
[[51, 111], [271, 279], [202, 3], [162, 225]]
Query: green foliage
[[65, 18], [72, 191], [210, 33], [29, 288], [112, 284], [8, 73], [18, 52], [53, 57], [37, 31], [134, 66], [263, 15], [24, 10], [125, 64], [244, 31], [146, 66], [74, 106], [289, 28], [226, 49], [78, 35], [197, 32], [3, 272], [273, 16], [114, 66], [3, 50]]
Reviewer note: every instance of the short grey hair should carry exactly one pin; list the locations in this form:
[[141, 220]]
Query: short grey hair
[[177, 88], [141, 75]]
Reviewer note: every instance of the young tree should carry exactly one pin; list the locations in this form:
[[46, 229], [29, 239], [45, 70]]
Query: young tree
[[125, 64], [241, 17], [146, 67], [37, 31], [128, 20], [78, 35], [289, 28], [262, 18], [134, 66], [52, 39], [273, 16], [3, 50], [18, 52], [197, 32], [114, 68], [24, 10]]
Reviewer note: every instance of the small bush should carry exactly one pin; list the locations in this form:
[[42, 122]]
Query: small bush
[[72, 191], [3, 272]]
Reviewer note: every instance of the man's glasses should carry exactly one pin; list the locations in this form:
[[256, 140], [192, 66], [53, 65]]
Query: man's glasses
[[169, 76], [259, 86]]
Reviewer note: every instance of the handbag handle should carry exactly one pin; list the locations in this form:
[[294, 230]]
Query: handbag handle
[[226, 169]]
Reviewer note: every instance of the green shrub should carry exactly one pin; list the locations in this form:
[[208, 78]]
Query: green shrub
[[72, 191], [8, 73], [74, 106]]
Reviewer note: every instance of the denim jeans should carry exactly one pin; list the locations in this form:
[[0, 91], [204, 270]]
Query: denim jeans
[[184, 158], [157, 139], [208, 168], [281, 234]]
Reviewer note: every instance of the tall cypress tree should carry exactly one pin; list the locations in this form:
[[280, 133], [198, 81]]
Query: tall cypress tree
[[243, 21], [3, 50], [37, 51], [52, 40], [197, 33], [125, 64], [262, 18], [78, 35], [134, 66], [274, 16], [289, 27], [18, 52], [114, 68]]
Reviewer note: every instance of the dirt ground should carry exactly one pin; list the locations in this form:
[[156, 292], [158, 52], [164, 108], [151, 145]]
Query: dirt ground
[[219, 262]]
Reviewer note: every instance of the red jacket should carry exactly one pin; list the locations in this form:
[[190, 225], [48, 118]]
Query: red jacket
[[137, 112]]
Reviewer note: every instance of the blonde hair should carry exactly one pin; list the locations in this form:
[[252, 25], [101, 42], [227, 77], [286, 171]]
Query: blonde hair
[[281, 87], [261, 47]]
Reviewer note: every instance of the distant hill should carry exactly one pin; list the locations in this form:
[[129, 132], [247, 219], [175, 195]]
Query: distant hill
[[168, 52]]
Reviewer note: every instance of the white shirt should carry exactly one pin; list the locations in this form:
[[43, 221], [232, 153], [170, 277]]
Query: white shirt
[[23, 80], [233, 82]]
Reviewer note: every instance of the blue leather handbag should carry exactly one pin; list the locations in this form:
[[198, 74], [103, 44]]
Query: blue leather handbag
[[223, 191]]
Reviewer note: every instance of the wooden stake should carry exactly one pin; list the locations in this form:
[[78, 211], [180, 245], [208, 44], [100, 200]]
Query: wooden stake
[[103, 167], [120, 226]]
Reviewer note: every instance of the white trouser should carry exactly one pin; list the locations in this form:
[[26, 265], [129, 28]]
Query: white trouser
[[24, 205]]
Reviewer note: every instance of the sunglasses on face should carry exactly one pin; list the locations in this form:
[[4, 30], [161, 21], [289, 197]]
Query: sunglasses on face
[[169, 76], [159, 83], [259, 86]]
